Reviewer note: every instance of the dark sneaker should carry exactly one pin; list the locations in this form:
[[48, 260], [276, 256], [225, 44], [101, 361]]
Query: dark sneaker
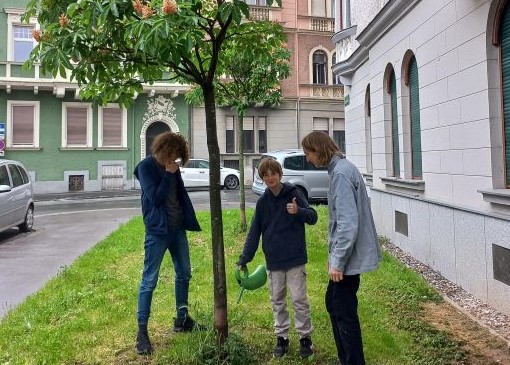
[[143, 343], [306, 347], [187, 324], [282, 347]]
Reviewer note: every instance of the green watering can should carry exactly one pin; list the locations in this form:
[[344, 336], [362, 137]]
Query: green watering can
[[250, 282]]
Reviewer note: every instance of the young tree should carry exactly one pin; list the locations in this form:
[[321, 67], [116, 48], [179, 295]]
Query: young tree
[[113, 47], [250, 76]]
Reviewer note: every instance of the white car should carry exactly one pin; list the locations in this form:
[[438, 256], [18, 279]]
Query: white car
[[196, 174], [16, 197]]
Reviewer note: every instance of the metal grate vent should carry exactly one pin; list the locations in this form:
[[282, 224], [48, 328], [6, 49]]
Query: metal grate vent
[[501, 263], [401, 223], [76, 182]]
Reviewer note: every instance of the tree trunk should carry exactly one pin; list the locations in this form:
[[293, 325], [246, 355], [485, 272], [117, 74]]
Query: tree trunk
[[220, 284], [240, 142]]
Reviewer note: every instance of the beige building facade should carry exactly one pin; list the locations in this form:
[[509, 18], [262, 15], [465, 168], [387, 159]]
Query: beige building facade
[[312, 96]]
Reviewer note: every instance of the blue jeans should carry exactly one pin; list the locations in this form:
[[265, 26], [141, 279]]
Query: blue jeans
[[176, 243]]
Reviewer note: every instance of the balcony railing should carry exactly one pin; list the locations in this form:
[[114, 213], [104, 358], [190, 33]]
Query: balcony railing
[[322, 24], [260, 13], [335, 92]]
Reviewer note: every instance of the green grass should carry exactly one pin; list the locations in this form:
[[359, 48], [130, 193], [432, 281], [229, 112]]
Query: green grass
[[87, 314]]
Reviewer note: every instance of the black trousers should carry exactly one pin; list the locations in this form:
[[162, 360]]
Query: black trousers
[[342, 306]]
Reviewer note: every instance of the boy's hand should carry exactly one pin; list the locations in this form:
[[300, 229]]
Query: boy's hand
[[292, 208], [242, 267], [171, 166]]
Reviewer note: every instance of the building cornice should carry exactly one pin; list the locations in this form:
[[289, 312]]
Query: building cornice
[[346, 68], [15, 11], [389, 15], [344, 33]]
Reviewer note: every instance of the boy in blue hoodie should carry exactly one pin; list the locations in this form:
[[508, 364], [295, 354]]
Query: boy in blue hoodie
[[167, 215], [280, 217]]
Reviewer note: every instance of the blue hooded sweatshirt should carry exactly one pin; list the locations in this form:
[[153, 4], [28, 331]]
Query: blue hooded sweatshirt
[[283, 234], [155, 182]]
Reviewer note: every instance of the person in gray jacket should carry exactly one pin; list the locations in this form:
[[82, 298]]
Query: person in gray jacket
[[353, 245]]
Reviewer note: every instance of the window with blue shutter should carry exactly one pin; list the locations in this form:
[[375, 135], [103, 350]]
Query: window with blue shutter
[[414, 107], [394, 125], [505, 80]]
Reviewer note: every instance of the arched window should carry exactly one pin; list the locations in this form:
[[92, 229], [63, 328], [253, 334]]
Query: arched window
[[392, 91], [505, 80], [368, 131], [414, 116], [320, 63]]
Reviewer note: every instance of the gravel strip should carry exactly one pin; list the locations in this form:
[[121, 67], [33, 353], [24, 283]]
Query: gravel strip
[[496, 322]]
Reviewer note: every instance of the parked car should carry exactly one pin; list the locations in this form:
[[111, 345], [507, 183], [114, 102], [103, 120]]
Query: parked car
[[16, 197], [196, 174], [313, 182]]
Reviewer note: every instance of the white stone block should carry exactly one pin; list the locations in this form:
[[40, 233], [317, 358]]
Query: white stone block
[[468, 81], [427, 74], [466, 28], [431, 161], [447, 64], [477, 162], [437, 139], [474, 107], [434, 94], [419, 231], [429, 51], [438, 186], [429, 117], [449, 113], [470, 135], [444, 17], [442, 241], [470, 253], [473, 52], [452, 162]]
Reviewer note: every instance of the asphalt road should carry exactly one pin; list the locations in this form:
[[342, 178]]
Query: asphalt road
[[66, 227]]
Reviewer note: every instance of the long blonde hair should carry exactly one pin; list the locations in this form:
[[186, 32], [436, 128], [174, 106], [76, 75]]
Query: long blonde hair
[[322, 144]]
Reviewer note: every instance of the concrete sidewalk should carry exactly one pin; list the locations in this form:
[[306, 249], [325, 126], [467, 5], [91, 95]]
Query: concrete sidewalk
[[83, 195]]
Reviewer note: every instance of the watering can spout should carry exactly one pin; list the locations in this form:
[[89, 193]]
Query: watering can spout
[[250, 282]]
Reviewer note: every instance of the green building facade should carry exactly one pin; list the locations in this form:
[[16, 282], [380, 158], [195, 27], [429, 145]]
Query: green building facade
[[66, 143]]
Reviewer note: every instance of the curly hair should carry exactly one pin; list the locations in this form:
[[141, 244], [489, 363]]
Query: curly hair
[[269, 164], [322, 144], [169, 144]]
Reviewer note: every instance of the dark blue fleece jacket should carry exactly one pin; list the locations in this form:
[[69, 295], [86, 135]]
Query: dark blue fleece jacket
[[283, 234], [155, 182]]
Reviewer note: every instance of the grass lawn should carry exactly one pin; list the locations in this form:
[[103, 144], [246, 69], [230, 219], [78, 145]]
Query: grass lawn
[[87, 314]]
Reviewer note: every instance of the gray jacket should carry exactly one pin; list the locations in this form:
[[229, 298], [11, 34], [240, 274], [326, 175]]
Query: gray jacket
[[353, 244]]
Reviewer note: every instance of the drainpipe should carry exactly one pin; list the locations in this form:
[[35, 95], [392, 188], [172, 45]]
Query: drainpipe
[[190, 131], [298, 124]]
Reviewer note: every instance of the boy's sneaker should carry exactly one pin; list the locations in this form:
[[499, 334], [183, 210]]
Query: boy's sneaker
[[143, 343], [187, 324], [306, 347], [282, 347]]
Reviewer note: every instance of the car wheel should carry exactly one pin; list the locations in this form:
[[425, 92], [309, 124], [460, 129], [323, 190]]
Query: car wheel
[[28, 224], [231, 182]]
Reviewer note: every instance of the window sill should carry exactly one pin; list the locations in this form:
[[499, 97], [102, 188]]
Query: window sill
[[369, 179], [416, 185], [76, 148], [27, 148], [119, 148], [497, 196]]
